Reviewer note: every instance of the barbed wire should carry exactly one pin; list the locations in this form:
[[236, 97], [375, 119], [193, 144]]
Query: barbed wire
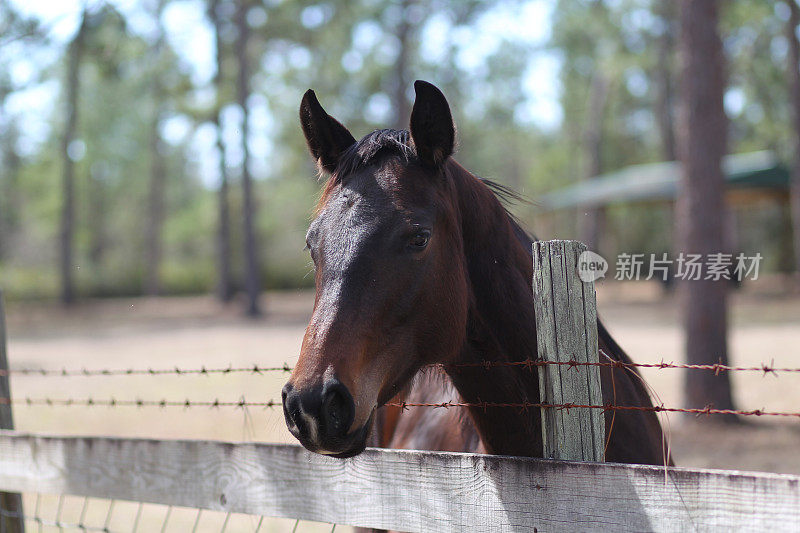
[[614, 363], [528, 364], [85, 372], [716, 367], [137, 402], [270, 404], [524, 406]]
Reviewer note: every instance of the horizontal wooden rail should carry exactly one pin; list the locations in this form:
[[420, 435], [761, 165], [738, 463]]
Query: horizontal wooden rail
[[405, 490]]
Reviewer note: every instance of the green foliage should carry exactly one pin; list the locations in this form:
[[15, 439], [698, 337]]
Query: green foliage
[[349, 52]]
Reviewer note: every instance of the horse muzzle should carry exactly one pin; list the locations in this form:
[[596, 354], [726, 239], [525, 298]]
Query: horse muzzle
[[320, 418]]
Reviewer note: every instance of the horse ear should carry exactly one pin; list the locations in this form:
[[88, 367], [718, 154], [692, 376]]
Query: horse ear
[[432, 126], [326, 137]]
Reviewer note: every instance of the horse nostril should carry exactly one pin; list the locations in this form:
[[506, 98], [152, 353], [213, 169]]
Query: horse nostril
[[334, 413], [291, 408], [338, 409], [284, 392]]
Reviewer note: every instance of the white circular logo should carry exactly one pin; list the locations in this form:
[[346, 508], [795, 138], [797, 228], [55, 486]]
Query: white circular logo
[[591, 266]]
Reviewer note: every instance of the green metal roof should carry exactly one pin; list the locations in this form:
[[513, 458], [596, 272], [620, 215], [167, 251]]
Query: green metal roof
[[659, 181]]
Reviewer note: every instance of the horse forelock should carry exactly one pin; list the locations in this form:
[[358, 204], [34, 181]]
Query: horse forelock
[[370, 150]]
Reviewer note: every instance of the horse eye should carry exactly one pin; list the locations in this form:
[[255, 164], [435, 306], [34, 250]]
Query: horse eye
[[420, 239]]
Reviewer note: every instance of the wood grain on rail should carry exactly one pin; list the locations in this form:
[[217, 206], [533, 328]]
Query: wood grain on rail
[[405, 490]]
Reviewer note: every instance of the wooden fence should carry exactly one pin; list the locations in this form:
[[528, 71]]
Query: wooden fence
[[428, 491], [404, 490]]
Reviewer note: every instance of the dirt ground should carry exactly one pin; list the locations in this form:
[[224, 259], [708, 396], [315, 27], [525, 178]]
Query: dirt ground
[[195, 331]]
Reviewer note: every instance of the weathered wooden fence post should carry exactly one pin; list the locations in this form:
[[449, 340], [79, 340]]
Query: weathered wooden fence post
[[566, 329], [10, 503]]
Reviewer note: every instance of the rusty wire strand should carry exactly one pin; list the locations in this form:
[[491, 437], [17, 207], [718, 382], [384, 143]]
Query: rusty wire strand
[[138, 402], [715, 367], [523, 406], [529, 364], [85, 372]]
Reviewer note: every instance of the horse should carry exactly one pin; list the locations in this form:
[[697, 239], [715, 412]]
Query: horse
[[418, 262]]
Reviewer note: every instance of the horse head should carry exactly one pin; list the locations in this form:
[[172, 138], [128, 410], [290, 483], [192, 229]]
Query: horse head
[[391, 285]]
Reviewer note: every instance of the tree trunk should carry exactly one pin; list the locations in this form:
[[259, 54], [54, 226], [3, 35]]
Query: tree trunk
[[68, 171], [155, 212], [794, 94], [9, 190], [97, 217], [663, 75], [592, 219], [224, 285], [242, 93], [700, 206], [155, 201], [401, 81], [664, 78]]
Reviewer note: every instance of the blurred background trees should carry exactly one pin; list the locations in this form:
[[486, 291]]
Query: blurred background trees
[[700, 211], [153, 148]]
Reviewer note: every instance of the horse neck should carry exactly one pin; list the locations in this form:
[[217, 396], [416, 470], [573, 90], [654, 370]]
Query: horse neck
[[501, 323]]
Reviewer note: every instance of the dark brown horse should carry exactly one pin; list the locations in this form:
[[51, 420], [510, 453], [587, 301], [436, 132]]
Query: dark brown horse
[[418, 262]]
